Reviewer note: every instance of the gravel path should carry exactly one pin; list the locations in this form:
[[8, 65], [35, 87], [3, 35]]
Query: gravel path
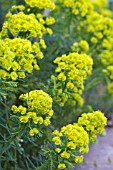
[[100, 156]]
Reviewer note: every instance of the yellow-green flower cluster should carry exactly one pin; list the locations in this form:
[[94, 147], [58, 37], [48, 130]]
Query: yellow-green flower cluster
[[40, 4], [78, 7], [93, 123], [49, 21], [104, 25], [38, 100], [110, 88], [23, 25], [95, 22], [109, 71], [61, 166], [100, 3], [99, 35], [18, 56], [70, 141], [71, 72], [38, 111], [31, 24], [17, 7], [107, 56], [81, 47], [95, 26], [96, 30], [101, 6], [45, 22]]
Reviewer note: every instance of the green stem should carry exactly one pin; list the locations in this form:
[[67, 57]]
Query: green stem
[[51, 164], [43, 165], [6, 144]]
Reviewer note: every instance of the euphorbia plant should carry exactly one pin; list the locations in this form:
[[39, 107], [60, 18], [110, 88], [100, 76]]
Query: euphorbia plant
[[38, 119]]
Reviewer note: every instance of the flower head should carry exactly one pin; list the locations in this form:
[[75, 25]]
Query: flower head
[[38, 111]]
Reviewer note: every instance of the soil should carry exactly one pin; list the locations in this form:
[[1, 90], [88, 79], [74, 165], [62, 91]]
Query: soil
[[100, 156]]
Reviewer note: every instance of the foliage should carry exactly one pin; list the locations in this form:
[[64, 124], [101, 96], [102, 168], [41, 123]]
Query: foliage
[[55, 61]]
